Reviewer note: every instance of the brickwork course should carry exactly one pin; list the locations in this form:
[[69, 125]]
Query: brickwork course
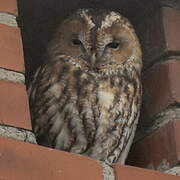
[[157, 142]]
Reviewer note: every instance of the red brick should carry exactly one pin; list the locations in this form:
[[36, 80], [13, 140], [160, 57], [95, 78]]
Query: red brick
[[159, 150], [161, 87], [14, 108], [132, 173], [21, 160], [159, 33], [9, 6], [11, 48]]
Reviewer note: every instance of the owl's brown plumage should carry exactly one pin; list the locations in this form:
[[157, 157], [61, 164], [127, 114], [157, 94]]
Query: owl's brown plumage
[[86, 97]]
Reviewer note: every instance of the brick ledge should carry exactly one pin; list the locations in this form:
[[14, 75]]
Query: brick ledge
[[20, 160]]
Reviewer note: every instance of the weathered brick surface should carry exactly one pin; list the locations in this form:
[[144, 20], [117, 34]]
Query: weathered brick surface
[[9, 6], [161, 88], [14, 108], [160, 150], [131, 173], [158, 32], [21, 160], [11, 48]]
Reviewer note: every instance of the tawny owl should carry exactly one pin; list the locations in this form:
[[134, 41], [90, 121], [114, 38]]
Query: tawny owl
[[86, 97]]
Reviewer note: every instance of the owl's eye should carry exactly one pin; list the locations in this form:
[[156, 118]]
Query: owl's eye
[[76, 42], [113, 45]]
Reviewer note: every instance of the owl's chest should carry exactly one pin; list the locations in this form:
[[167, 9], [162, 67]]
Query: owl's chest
[[96, 89]]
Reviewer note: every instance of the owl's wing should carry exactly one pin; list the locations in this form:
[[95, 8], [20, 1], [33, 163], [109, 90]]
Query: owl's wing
[[127, 123], [44, 95], [55, 116], [118, 137], [119, 123]]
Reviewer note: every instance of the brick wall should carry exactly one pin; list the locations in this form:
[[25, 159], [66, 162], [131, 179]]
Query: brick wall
[[156, 144]]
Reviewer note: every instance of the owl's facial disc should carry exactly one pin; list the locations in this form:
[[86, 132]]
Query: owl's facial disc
[[97, 42], [99, 52]]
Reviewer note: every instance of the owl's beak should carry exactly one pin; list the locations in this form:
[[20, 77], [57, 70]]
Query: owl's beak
[[92, 60]]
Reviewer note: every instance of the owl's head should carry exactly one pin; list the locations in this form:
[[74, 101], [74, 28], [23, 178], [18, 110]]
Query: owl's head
[[97, 41]]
